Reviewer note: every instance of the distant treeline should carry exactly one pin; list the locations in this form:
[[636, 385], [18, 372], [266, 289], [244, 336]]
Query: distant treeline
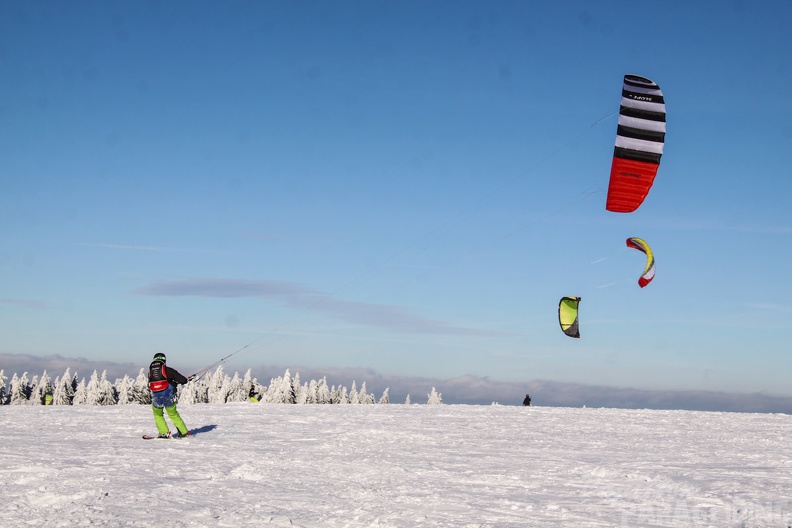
[[218, 387]]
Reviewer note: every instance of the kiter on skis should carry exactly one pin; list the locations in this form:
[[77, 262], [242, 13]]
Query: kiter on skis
[[162, 382]]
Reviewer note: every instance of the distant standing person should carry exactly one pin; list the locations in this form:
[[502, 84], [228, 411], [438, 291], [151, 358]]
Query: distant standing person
[[162, 383], [527, 400]]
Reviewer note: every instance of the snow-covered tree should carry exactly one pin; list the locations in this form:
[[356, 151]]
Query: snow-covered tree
[[32, 392], [235, 390], [142, 392], [19, 390], [99, 391], [407, 400], [287, 389], [281, 389], [92, 390], [434, 397], [363, 396], [202, 389], [42, 388], [80, 394], [125, 388], [218, 386], [312, 394], [303, 395], [385, 398], [196, 391], [63, 392], [3, 389], [340, 395], [272, 391], [299, 391], [106, 393], [353, 393], [322, 391], [275, 390]]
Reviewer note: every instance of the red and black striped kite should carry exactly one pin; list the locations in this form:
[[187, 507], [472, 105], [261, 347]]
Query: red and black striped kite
[[639, 144]]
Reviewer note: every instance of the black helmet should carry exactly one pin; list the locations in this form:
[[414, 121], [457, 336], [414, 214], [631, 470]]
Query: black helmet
[[160, 356]]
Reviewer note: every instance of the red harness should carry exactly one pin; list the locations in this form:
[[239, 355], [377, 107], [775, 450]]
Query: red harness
[[160, 385]]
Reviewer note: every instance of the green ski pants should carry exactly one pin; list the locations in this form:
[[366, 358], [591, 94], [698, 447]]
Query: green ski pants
[[173, 414]]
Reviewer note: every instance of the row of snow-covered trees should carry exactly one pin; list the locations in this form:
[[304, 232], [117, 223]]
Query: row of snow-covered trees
[[217, 387]]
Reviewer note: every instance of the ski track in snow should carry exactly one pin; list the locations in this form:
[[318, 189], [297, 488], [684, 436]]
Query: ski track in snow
[[395, 466]]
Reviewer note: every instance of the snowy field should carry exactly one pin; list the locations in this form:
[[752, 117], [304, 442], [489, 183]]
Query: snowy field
[[394, 466]]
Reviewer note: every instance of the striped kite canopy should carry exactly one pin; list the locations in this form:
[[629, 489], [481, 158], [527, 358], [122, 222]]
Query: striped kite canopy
[[639, 144]]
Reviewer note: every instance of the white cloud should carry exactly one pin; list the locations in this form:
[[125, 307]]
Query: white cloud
[[293, 295]]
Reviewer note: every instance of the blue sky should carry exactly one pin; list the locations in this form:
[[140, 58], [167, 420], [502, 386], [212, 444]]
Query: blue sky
[[403, 186]]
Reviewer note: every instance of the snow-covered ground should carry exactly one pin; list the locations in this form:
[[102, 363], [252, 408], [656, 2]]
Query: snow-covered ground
[[394, 466]]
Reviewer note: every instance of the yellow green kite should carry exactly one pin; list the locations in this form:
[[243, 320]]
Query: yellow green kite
[[568, 315]]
